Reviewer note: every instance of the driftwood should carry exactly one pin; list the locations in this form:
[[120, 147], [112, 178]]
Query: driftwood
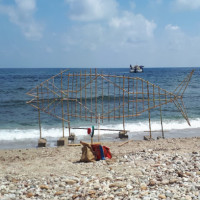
[[125, 143]]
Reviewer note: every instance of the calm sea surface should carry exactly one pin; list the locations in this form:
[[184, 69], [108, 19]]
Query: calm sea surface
[[19, 121]]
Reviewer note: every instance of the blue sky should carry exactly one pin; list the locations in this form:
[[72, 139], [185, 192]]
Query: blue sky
[[99, 33]]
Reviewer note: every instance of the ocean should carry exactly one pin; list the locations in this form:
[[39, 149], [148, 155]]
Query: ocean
[[19, 121]]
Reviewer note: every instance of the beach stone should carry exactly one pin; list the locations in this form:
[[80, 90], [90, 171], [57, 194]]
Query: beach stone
[[44, 187], [10, 196], [143, 186], [137, 172], [169, 194], [188, 197], [117, 184], [152, 182], [84, 173], [29, 195], [180, 174], [198, 187], [96, 186], [165, 182], [198, 173], [161, 196], [58, 193], [70, 182], [172, 180], [129, 187]]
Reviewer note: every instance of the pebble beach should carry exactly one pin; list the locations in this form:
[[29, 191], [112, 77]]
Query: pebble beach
[[148, 170]]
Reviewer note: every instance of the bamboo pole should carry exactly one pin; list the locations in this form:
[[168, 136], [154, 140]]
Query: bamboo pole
[[153, 96], [68, 105], [123, 106], [119, 95], [72, 93], [42, 95], [161, 115], [76, 95], [85, 97], [108, 100], [114, 98], [54, 94], [99, 128], [133, 96], [80, 95], [149, 111], [143, 94], [136, 106], [128, 95], [96, 95], [48, 94], [62, 106], [38, 104], [91, 91], [102, 98]]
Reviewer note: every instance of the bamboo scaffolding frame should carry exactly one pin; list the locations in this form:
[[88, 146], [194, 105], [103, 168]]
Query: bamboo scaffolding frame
[[85, 99]]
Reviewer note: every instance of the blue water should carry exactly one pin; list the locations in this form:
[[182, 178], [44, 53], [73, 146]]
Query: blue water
[[19, 121]]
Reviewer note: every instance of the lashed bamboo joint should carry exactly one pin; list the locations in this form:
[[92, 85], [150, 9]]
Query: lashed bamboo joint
[[93, 96]]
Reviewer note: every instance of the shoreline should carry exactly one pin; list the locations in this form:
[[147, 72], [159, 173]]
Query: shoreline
[[24, 143], [157, 169]]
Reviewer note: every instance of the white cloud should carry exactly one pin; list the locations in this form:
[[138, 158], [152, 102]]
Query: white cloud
[[21, 14], [90, 10], [187, 4], [171, 27], [118, 32], [117, 29], [133, 27], [26, 5]]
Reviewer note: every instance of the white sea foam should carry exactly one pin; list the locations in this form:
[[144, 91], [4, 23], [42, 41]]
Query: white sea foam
[[136, 128]]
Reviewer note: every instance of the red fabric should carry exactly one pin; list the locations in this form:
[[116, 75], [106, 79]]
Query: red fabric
[[96, 149], [107, 152], [89, 131]]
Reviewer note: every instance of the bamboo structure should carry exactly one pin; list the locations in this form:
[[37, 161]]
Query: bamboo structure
[[95, 97]]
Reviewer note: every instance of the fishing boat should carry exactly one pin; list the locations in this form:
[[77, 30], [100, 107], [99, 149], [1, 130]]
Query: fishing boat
[[136, 69]]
